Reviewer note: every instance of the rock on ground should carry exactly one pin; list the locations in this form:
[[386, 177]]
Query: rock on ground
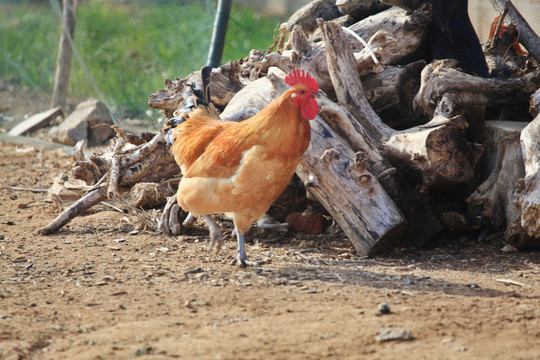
[[90, 121]]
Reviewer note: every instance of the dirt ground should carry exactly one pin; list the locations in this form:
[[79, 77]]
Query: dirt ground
[[102, 288]]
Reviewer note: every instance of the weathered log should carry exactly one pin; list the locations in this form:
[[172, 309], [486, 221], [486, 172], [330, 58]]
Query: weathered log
[[528, 192], [148, 162], [353, 11], [365, 132], [391, 93], [422, 222], [383, 45], [312, 57], [450, 34], [534, 107], [436, 154], [493, 201], [399, 81], [225, 81], [247, 103], [307, 15], [150, 194], [156, 166], [354, 134], [36, 122], [430, 146], [390, 47], [441, 78], [360, 9], [406, 31], [91, 198], [231, 77], [66, 191], [339, 180], [349, 91], [349, 192]]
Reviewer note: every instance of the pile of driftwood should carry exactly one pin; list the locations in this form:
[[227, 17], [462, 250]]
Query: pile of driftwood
[[404, 145]]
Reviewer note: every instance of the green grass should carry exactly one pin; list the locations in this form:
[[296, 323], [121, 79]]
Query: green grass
[[127, 50]]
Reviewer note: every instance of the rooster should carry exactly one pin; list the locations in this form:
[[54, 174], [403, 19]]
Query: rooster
[[240, 168]]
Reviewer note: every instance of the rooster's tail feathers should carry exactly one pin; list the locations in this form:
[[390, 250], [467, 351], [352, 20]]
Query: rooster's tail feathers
[[171, 124], [205, 77]]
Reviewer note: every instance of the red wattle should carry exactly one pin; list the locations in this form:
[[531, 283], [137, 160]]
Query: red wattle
[[310, 109]]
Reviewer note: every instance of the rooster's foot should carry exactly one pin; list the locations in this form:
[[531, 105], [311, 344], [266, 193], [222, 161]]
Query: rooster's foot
[[245, 262], [215, 233]]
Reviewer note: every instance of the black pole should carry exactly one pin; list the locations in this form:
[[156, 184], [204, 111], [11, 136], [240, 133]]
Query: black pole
[[220, 31]]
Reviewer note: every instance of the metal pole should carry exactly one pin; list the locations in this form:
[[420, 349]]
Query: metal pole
[[220, 31]]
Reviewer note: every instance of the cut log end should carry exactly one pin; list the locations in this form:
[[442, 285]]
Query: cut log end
[[390, 240]]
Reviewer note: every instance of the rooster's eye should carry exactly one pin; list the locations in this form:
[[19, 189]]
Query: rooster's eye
[[302, 92]]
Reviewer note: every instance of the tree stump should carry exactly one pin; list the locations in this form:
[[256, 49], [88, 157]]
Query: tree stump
[[528, 192], [493, 201]]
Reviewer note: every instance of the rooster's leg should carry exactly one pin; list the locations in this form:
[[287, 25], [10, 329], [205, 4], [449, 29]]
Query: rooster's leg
[[189, 220], [242, 258], [215, 232]]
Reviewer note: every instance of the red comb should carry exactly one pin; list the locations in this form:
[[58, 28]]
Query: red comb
[[300, 77]]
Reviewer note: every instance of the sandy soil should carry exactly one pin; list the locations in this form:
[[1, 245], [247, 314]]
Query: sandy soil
[[101, 289]]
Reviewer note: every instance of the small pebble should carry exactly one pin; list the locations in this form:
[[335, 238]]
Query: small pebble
[[193, 271], [509, 248], [384, 308], [392, 334], [447, 340], [145, 350]]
